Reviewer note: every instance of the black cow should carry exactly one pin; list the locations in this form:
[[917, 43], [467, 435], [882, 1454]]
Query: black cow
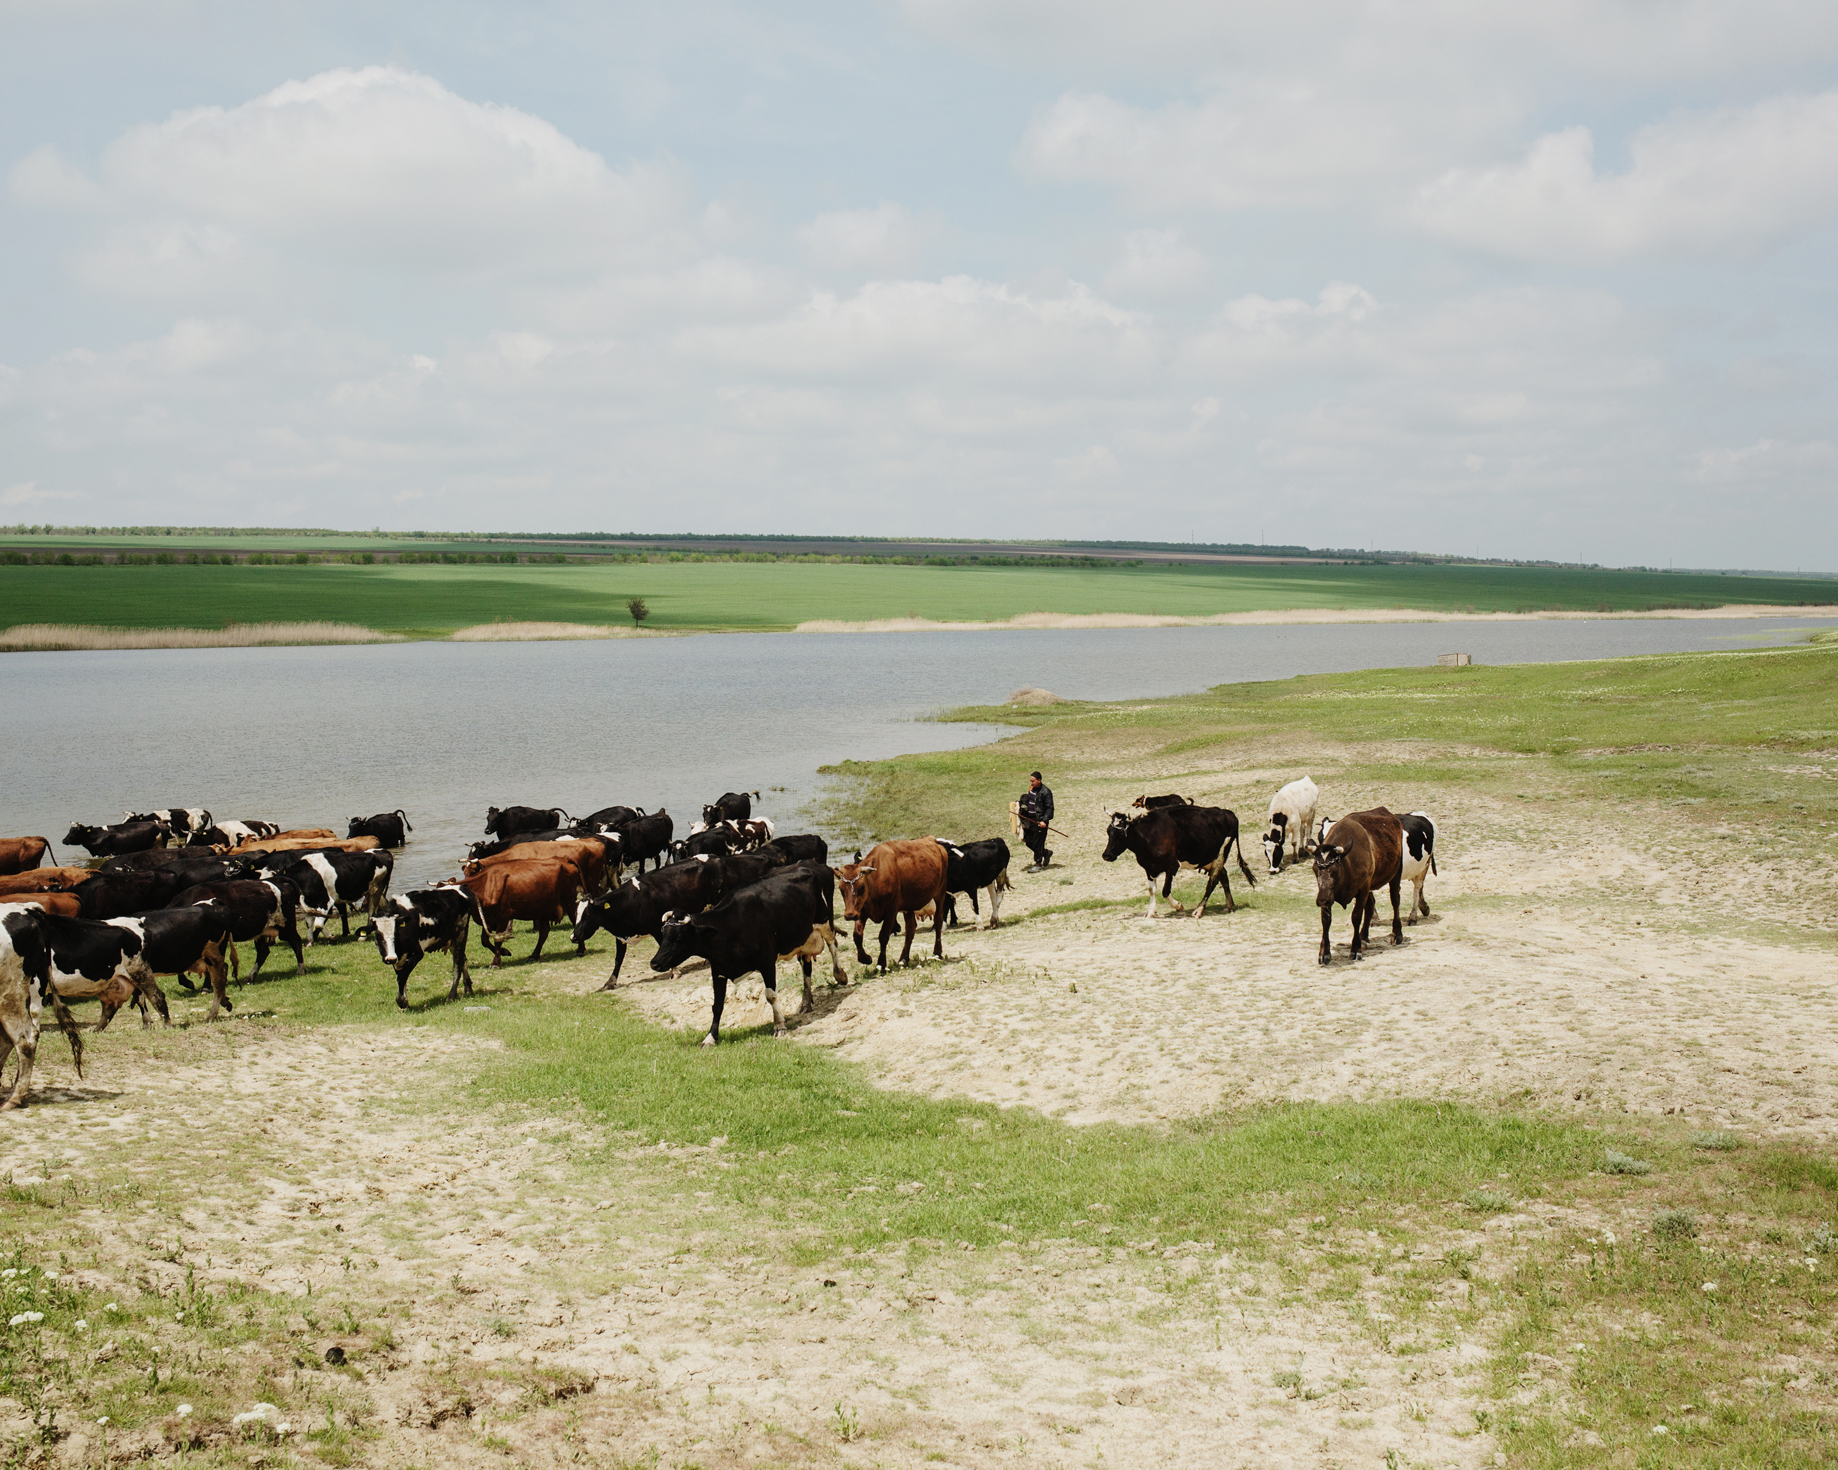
[[504, 821], [1175, 837], [128, 837], [518, 839], [798, 848], [970, 867], [389, 828], [792, 913], [611, 816], [170, 857], [178, 818], [421, 922], [259, 910], [86, 958], [638, 906], [25, 987], [330, 880], [1156, 803], [109, 895], [734, 806], [645, 839]]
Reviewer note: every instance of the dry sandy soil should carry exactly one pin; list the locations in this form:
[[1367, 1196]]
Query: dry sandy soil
[[545, 1310]]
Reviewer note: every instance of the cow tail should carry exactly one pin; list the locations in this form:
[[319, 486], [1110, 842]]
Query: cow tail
[[1002, 884], [67, 1023], [52, 851], [1433, 863], [407, 825], [1249, 877]]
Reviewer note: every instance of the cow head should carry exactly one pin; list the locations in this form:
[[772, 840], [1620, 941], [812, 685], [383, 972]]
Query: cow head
[[852, 884], [1327, 873], [1117, 840], [675, 943], [397, 932], [1276, 841], [589, 915], [711, 814], [492, 814], [1140, 803]]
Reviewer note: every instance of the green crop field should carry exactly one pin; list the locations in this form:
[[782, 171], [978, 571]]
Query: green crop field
[[430, 600]]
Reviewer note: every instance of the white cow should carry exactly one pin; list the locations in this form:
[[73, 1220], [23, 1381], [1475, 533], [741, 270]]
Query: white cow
[[1419, 859], [1291, 824]]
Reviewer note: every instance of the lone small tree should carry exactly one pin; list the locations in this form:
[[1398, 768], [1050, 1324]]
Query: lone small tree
[[636, 607]]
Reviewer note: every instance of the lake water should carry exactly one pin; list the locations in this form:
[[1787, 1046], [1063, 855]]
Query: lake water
[[313, 736]]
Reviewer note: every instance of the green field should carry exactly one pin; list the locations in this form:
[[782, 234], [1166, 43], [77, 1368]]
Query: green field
[[430, 600]]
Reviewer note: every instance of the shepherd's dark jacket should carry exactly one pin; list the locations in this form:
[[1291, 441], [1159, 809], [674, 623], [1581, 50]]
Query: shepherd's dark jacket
[[1037, 806]]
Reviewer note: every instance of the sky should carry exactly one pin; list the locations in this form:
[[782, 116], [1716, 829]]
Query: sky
[[1516, 281]]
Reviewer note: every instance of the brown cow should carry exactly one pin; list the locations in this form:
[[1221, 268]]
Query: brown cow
[[21, 854], [896, 878], [51, 902], [44, 880], [297, 842], [588, 854], [542, 892], [1358, 854]]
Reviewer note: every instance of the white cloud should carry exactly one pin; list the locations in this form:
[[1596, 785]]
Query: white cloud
[[1156, 263], [885, 240], [1734, 179], [378, 169]]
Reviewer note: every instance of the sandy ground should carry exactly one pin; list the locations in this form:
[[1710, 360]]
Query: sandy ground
[[553, 1312], [1319, 615]]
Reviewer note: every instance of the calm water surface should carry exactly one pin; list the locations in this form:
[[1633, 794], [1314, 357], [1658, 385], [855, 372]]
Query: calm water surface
[[313, 736]]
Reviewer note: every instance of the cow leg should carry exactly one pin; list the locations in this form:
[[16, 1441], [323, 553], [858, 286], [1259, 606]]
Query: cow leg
[[264, 946], [612, 980], [911, 919], [542, 933], [1168, 889], [938, 934], [461, 969], [21, 1032], [1327, 922], [770, 974], [714, 1020], [402, 988], [861, 954], [887, 932], [149, 989], [804, 963], [950, 901], [1151, 878], [1397, 929], [492, 942], [1362, 911], [236, 962], [344, 920], [995, 906]]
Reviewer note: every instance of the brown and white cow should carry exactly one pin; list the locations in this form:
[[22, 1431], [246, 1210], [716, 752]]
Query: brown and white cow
[[1358, 854], [21, 854], [543, 893], [25, 987], [896, 879]]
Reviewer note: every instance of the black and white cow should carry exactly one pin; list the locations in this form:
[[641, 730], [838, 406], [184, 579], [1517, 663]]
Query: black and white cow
[[389, 828], [638, 905], [330, 880], [1292, 823], [180, 819], [1176, 837], [261, 910], [180, 942], [227, 834], [169, 857], [1419, 859], [128, 837], [509, 820], [733, 806], [973, 866], [421, 922], [86, 957], [716, 841], [25, 987], [791, 914]]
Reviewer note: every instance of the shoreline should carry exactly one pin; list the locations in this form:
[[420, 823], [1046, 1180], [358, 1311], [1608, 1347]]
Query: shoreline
[[79, 637]]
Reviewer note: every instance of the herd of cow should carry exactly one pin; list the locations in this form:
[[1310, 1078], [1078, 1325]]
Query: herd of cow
[[175, 891]]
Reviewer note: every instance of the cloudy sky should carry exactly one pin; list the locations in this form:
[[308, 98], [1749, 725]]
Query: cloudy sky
[[1541, 280]]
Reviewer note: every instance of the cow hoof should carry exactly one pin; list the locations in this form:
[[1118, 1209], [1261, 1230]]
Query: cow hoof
[[708, 1041], [778, 1032], [1326, 959], [401, 1003]]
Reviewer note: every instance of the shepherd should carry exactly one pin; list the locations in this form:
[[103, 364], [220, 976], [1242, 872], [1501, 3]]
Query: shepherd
[[1035, 810]]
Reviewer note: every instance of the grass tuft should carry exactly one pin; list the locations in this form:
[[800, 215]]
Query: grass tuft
[[1616, 1162], [1716, 1140], [1673, 1224]]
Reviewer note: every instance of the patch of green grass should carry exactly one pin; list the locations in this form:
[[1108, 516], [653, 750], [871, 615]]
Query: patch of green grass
[[744, 595]]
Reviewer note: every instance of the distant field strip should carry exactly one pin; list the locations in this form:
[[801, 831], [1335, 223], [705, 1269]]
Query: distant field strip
[[46, 637], [435, 601]]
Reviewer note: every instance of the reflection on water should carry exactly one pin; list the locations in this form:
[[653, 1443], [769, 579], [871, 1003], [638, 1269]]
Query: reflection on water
[[313, 736]]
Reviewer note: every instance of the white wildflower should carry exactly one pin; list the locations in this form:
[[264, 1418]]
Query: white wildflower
[[184, 1411], [112, 1307], [1710, 1286], [51, 1276], [103, 1419], [9, 1273], [26, 1317], [1609, 1236], [80, 1325], [260, 1414], [284, 1427], [1661, 1429]]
